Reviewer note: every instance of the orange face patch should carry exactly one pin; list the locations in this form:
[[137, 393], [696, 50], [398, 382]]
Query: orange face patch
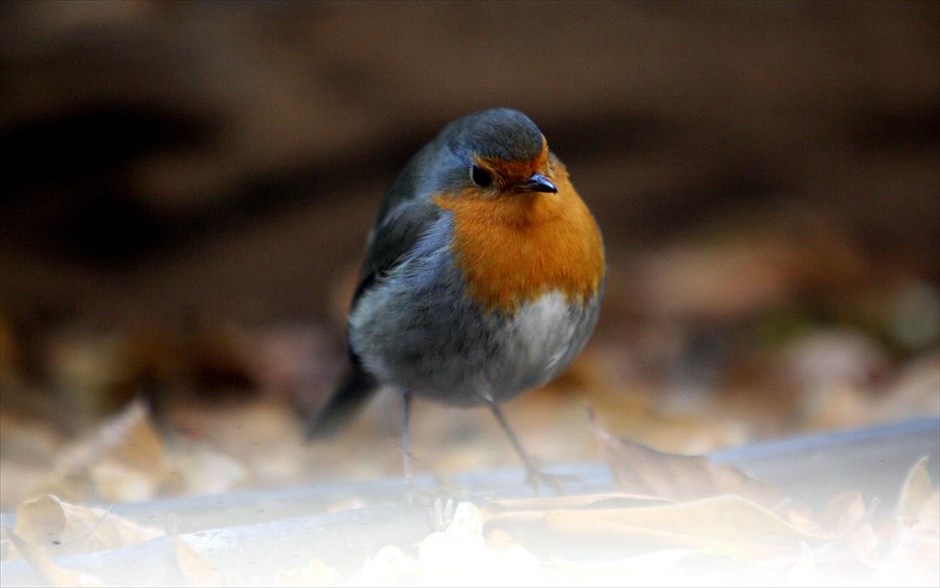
[[514, 172], [513, 247]]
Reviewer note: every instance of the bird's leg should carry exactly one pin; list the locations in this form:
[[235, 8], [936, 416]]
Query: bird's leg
[[406, 440], [534, 476], [438, 506]]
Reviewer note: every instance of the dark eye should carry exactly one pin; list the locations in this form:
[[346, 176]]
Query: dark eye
[[480, 176]]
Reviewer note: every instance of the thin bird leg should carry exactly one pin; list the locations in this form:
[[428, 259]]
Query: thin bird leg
[[405, 438], [438, 506], [534, 475]]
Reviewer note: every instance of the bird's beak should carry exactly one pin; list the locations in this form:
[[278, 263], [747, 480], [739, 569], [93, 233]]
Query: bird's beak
[[539, 183]]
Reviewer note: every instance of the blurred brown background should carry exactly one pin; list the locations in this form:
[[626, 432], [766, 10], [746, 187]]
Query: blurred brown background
[[194, 182]]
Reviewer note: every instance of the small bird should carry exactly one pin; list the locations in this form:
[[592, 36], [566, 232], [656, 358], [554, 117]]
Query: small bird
[[483, 277]]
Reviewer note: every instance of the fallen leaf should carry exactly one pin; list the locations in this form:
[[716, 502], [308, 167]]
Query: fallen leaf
[[642, 470], [844, 514], [915, 491], [124, 460], [911, 539], [118, 482], [724, 523], [53, 574], [199, 468], [707, 522], [60, 528]]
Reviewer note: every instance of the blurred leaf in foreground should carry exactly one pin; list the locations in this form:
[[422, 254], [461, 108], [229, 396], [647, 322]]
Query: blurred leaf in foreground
[[641, 470]]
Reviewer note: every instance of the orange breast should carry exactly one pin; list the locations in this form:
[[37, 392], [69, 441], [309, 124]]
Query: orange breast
[[515, 247]]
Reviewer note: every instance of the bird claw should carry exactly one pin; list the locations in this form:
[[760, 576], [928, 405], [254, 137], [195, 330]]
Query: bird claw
[[438, 505]]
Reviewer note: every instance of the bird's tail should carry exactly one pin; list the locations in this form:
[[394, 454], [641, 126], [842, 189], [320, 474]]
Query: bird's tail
[[352, 393]]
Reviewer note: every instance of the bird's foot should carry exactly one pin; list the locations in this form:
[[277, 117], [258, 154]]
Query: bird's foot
[[437, 504]]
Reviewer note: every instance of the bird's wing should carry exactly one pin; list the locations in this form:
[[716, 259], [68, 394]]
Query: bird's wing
[[404, 216], [392, 238], [403, 219]]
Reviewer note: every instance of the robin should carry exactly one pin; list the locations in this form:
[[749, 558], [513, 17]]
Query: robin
[[483, 277]]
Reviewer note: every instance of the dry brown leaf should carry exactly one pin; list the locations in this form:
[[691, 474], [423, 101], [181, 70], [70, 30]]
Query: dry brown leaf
[[642, 470], [724, 523], [709, 522], [200, 468], [844, 514], [118, 482], [125, 459], [60, 528], [53, 574], [916, 490], [131, 438], [19, 480], [903, 550], [911, 539]]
